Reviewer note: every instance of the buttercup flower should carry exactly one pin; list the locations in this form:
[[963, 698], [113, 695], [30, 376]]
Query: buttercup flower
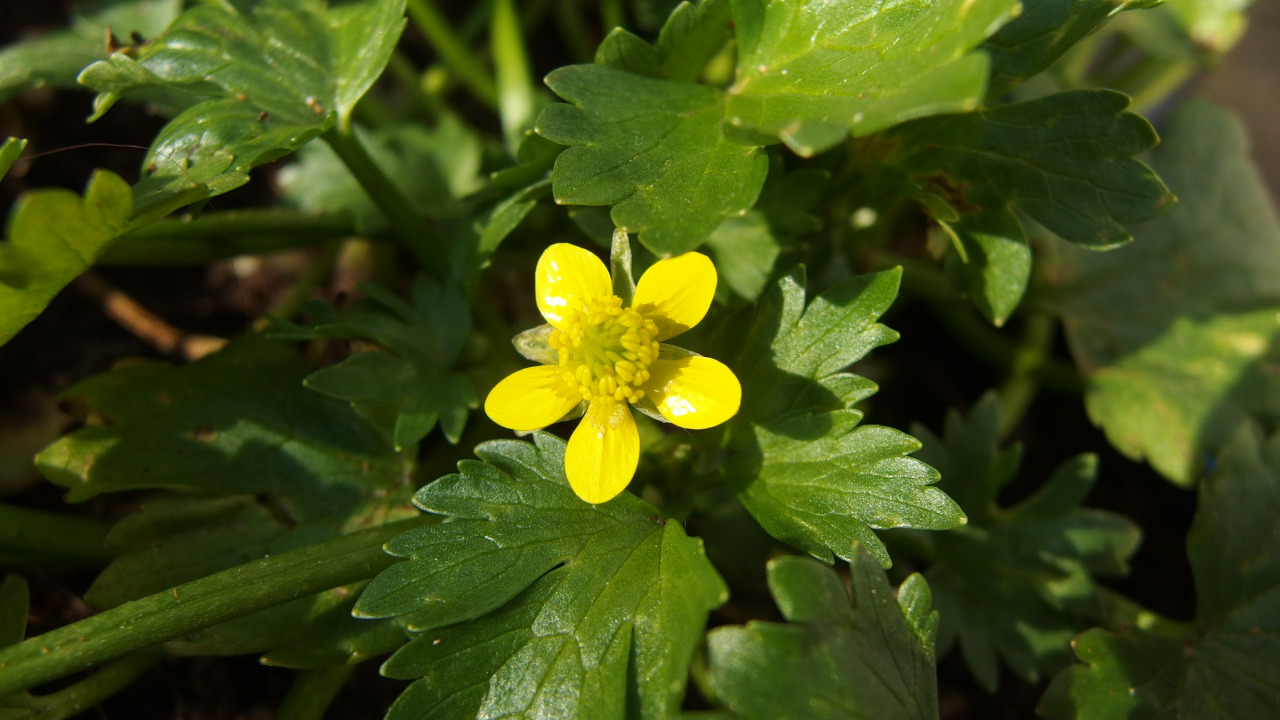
[[612, 357]]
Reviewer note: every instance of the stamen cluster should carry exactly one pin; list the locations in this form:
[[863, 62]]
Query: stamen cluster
[[605, 350]]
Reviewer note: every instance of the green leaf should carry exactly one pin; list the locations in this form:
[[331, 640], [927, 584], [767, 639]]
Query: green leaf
[[260, 465], [1177, 332], [260, 82], [416, 380], [872, 660], [812, 73], [1225, 664], [744, 249], [651, 148], [54, 236], [530, 601], [1066, 160], [10, 151], [57, 58], [1043, 31], [1015, 583], [808, 472], [996, 265]]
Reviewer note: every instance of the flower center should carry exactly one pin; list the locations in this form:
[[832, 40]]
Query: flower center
[[605, 350]]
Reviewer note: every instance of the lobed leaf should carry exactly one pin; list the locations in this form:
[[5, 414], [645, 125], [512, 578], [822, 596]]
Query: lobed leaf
[[1015, 584], [653, 149], [1176, 333], [415, 381], [805, 469], [54, 236], [1065, 160], [1042, 32], [1224, 663], [529, 601], [259, 81], [873, 659]]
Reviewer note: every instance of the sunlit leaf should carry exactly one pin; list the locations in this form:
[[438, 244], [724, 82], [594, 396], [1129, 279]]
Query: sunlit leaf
[[261, 81], [53, 237], [812, 73], [653, 149], [530, 601], [808, 471]]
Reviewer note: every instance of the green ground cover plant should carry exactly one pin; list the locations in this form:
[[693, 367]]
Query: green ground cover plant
[[450, 464]]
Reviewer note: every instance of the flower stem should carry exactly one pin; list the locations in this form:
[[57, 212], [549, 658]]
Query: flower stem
[[217, 236], [444, 38], [312, 692], [413, 231], [198, 604], [53, 536]]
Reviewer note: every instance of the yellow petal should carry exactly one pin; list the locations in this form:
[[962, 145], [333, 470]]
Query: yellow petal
[[603, 451], [531, 398], [693, 392], [566, 276], [675, 293]]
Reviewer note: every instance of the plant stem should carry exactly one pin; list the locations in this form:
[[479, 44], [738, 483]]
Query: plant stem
[[312, 692], [1159, 80], [65, 537], [516, 93], [108, 681], [413, 231], [1021, 385], [611, 15], [223, 235], [444, 38], [319, 269], [983, 341], [410, 80], [198, 604]]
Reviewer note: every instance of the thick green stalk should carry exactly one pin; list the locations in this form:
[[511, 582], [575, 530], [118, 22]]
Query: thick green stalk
[[312, 692], [444, 38], [217, 236], [111, 679], [198, 604], [409, 226], [53, 535]]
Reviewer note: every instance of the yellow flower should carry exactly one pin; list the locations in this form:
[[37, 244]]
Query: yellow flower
[[612, 357]]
